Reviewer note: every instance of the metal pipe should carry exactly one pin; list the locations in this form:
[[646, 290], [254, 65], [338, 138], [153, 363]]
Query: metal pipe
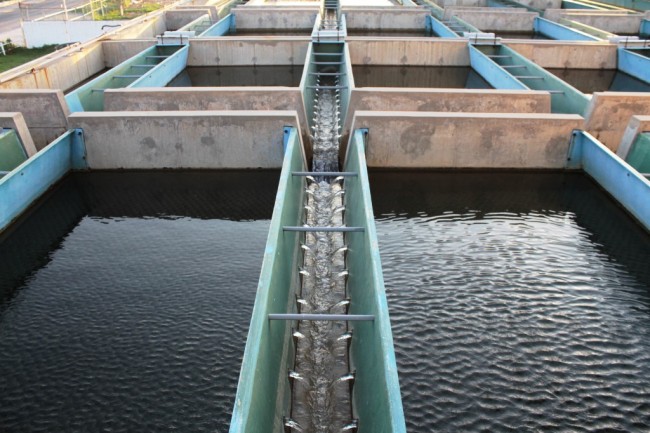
[[324, 173], [322, 229], [324, 317]]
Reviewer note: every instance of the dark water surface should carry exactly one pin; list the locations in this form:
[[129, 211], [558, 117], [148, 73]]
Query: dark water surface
[[236, 76], [600, 80], [125, 300], [454, 77], [519, 302]]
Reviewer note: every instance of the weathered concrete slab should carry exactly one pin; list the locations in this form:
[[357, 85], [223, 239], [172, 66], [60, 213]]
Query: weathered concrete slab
[[386, 18], [142, 28], [62, 72], [609, 113], [209, 98], [116, 52], [446, 100], [408, 51], [45, 112], [176, 19], [637, 125], [467, 140], [495, 19], [276, 18], [186, 139], [565, 54], [16, 121], [211, 10], [275, 50], [616, 22]]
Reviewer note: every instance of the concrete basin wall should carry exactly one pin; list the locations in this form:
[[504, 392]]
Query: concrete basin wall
[[446, 100], [408, 51], [386, 18], [116, 52], [275, 18], [637, 125], [285, 50], [188, 139], [467, 140], [16, 121], [208, 98], [45, 112], [610, 21], [495, 19], [609, 113], [574, 55]]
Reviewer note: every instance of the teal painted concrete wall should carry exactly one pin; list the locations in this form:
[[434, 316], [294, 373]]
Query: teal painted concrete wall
[[263, 391], [376, 398], [27, 182], [221, 27], [557, 31], [12, 153], [617, 177], [639, 155]]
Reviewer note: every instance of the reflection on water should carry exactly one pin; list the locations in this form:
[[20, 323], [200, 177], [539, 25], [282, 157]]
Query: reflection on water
[[125, 300], [389, 33], [518, 302], [522, 35], [600, 80], [221, 76], [418, 76]]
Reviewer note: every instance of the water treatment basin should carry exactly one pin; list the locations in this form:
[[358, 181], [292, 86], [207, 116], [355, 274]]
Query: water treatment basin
[[518, 302], [235, 76], [125, 300], [600, 80], [454, 77]]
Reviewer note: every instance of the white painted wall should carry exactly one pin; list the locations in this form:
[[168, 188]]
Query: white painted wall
[[39, 33]]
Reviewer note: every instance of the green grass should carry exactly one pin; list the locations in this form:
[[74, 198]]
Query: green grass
[[129, 12], [20, 55]]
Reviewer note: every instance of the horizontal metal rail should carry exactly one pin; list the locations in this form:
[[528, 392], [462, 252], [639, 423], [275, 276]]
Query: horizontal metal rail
[[324, 317], [513, 66], [328, 73], [327, 63], [328, 54], [322, 229], [143, 66], [327, 87], [499, 56], [324, 173], [156, 57]]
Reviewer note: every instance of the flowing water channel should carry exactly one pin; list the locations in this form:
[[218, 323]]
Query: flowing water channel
[[518, 302]]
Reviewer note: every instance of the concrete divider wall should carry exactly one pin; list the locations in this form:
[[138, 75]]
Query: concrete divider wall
[[387, 18], [148, 27], [637, 125], [542, 4], [425, 52], [211, 10], [45, 112], [609, 113], [61, 72], [467, 140], [447, 100], [208, 98], [176, 19], [285, 50], [276, 18], [496, 19], [16, 121], [583, 55], [116, 52], [186, 139], [618, 23]]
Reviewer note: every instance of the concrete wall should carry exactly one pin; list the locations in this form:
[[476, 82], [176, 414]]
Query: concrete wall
[[289, 18], [39, 33], [211, 10], [116, 52], [233, 51], [565, 54], [189, 139], [386, 18], [45, 112], [609, 113], [637, 125], [176, 19], [618, 23], [495, 19], [61, 72], [146, 27], [542, 4], [16, 121], [406, 51], [208, 98], [447, 100], [467, 140]]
